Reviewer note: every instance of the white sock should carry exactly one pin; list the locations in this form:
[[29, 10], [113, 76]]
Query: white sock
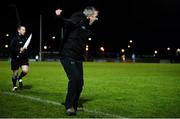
[[20, 80]]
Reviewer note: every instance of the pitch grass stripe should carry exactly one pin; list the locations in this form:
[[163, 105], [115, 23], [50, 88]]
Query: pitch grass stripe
[[59, 104]]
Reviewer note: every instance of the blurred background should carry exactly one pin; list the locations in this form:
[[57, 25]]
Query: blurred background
[[144, 31]]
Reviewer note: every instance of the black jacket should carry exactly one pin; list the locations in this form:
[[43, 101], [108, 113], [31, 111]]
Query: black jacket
[[76, 32], [18, 42]]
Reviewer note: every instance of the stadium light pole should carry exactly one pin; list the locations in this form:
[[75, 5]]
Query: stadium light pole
[[40, 37]]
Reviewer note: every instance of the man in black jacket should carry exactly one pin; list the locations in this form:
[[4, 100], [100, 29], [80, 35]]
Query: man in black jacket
[[72, 51], [19, 57]]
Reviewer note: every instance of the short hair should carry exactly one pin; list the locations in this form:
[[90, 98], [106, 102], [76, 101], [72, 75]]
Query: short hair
[[19, 27], [89, 10]]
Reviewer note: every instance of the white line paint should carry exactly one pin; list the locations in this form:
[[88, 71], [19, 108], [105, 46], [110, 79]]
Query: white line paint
[[59, 104]]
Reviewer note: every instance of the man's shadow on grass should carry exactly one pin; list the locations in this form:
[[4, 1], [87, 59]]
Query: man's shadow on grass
[[81, 102], [27, 87]]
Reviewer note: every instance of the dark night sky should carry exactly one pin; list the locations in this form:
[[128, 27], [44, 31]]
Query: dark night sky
[[152, 24]]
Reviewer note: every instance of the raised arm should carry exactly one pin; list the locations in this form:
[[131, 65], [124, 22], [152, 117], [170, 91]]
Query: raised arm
[[58, 13]]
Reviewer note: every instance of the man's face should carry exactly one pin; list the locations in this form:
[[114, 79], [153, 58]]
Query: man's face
[[22, 30], [93, 17]]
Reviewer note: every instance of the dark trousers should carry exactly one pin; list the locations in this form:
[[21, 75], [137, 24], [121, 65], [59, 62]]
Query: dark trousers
[[74, 72]]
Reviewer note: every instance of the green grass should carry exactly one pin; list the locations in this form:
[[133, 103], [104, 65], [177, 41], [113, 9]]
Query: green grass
[[111, 89]]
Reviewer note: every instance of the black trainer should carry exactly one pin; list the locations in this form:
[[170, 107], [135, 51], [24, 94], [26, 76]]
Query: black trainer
[[70, 112], [14, 88]]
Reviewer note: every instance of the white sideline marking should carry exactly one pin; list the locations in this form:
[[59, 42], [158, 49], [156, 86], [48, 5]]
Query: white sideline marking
[[59, 104]]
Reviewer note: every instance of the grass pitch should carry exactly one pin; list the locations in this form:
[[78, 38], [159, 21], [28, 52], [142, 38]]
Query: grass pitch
[[130, 90]]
